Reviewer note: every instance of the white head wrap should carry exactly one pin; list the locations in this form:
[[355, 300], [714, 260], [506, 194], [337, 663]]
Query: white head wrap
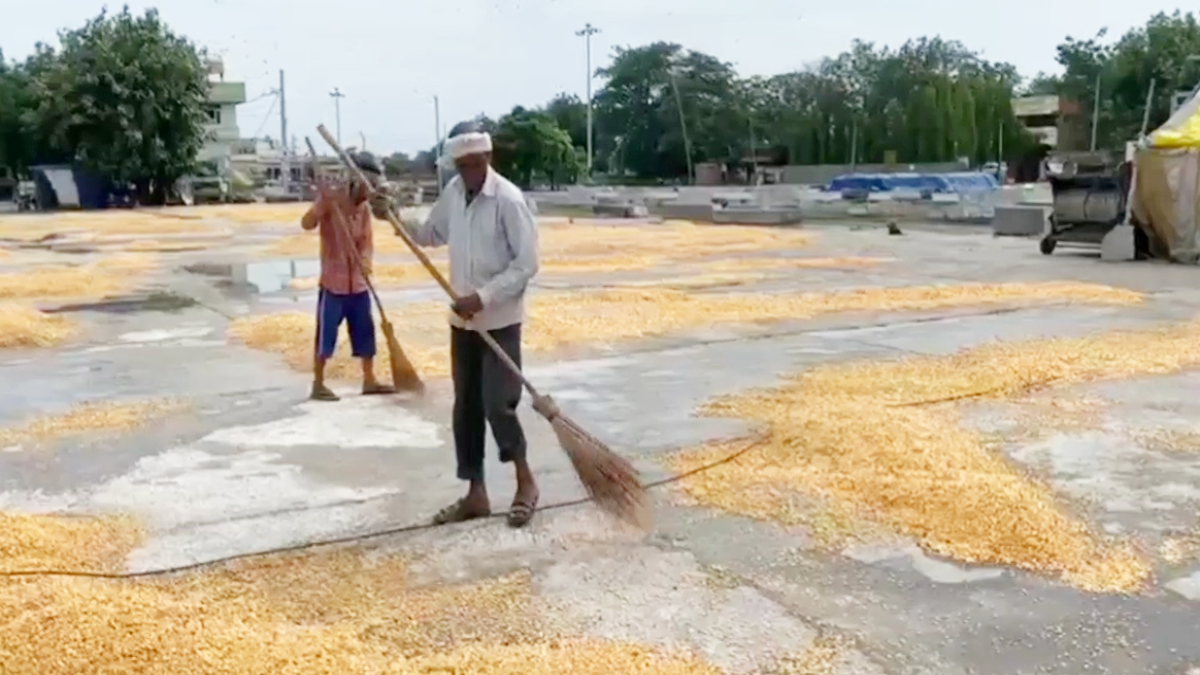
[[472, 143]]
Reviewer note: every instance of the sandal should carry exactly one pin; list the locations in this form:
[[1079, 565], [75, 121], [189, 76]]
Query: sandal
[[323, 393], [521, 512], [459, 512], [377, 389]]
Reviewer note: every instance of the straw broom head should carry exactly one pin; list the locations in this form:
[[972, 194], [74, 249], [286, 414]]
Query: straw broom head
[[610, 480], [404, 374]]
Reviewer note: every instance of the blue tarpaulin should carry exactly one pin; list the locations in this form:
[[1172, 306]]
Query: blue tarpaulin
[[63, 186], [965, 181]]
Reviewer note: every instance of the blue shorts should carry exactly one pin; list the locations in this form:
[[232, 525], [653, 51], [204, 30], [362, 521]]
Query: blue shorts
[[355, 310]]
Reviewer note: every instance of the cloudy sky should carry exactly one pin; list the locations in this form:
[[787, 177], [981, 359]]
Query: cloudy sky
[[391, 57]]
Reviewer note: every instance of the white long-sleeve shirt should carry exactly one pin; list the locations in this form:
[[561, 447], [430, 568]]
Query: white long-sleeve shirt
[[493, 245]]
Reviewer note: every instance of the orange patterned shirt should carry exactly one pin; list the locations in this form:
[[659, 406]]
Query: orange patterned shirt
[[340, 272]]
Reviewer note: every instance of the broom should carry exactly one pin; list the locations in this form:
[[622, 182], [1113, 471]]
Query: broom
[[404, 375], [610, 480]]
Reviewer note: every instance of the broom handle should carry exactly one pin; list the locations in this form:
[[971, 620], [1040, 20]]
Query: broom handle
[[428, 264], [344, 231]]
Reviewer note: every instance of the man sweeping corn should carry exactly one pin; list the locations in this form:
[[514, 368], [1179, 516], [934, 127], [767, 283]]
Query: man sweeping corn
[[492, 236], [342, 217]]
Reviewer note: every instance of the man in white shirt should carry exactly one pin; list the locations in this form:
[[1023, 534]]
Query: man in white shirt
[[493, 241]]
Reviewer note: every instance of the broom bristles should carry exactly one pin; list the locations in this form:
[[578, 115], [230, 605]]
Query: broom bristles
[[404, 374], [610, 480]]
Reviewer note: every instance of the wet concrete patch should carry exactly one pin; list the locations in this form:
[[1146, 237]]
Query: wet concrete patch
[[162, 301], [259, 277]]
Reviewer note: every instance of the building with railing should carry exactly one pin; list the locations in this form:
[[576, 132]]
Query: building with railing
[[221, 109]]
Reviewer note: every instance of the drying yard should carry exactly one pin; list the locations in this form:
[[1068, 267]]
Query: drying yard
[[953, 454]]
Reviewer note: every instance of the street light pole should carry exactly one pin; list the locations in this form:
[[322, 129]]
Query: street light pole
[[1096, 112], [285, 169], [337, 97], [437, 137], [586, 33]]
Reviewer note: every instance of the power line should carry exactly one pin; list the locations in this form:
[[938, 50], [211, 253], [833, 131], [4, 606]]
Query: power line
[[266, 117]]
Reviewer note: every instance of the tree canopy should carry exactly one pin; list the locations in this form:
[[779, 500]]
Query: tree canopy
[[928, 100], [123, 96]]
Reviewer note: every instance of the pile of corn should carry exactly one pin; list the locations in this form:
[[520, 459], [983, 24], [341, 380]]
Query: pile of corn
[[1179, 550], [671, 239], [403, 274], [650, 244], [290, 334], [330, 612], [31, 228], [248, 214], [59, 282], [307, 244], [23, 327], [620, 314], [849, 436], [776, 263], [155, 246], [88, 418], [108, 276]]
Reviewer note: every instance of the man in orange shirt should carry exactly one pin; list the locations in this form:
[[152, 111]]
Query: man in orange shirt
[[342, 216]]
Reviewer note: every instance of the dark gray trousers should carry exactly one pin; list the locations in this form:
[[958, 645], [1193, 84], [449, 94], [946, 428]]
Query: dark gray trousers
[[485, 394]]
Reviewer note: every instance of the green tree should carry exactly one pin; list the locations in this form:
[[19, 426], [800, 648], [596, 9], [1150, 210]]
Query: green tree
[[397, 164], [528, 144], [1160, 51], [14, 152], [930, 100], [124, 96], [638, 113], [571, 116]]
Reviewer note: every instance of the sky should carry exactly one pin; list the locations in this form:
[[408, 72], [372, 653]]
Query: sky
[[392, 57]]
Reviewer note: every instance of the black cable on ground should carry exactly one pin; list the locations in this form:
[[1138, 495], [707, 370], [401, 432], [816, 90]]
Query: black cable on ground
[[355, 538]]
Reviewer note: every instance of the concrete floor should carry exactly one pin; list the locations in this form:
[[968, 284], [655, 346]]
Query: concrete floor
[[258, 467]]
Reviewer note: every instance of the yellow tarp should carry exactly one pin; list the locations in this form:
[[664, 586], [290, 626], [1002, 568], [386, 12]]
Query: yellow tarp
[[1182, 130], [1187, 136]]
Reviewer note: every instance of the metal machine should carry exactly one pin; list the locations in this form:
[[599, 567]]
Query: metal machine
[[1091, 192]]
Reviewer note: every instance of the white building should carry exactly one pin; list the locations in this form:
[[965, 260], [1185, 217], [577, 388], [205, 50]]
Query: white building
[[223, 100]]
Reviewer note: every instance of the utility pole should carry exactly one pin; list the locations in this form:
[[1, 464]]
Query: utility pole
[[337, 97], [437, 139], [854, 144], [586, 33], [1096, 112], [687, 143], [285, 171], [753, 150]]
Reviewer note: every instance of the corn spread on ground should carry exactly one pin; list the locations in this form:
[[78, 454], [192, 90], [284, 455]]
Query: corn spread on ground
[[614, 315], [25, 327], [848, 435], [332, 611], [88, 418]]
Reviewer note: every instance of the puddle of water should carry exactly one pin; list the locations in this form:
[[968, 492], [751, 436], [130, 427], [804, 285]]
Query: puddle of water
[[154, 302], [266, 276]]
